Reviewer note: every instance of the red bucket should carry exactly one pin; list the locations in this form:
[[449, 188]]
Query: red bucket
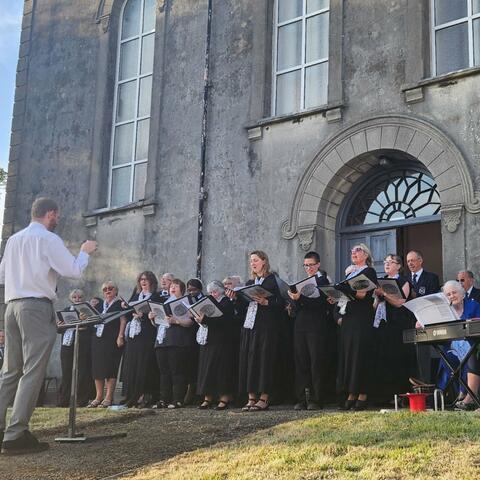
[[417, 401]]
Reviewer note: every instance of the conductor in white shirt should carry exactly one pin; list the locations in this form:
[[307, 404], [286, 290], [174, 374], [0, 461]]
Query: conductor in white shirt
[[33, 261]]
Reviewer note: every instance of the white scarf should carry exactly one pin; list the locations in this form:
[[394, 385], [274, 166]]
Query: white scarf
[[202, 335], [162, 329], [135, 323], [68, 337], [252, 310], [381, 312], [100, 326]]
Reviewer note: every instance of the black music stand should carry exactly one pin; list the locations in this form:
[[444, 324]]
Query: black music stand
[[73, 436], [457, 372]]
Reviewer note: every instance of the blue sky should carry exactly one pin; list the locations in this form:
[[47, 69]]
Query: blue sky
[[10, 23]]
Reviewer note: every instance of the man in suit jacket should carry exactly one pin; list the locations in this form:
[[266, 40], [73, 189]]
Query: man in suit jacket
[[424, 283], [466, 278]]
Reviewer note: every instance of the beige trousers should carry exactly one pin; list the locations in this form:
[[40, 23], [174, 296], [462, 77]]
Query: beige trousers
[[30, 333]]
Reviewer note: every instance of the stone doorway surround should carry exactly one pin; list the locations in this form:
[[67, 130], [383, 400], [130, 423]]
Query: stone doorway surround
[[349, 154]]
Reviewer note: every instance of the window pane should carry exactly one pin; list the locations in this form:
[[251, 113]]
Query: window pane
[[149, 16], [288, 9], [147, 54], [128, 60], [139, 181], [314, 5], [289, 45], [145, 96], [141, 150], [121, 186], [126, 101], [448, 10], [317, 37], [316, 83], [131, 19], [476, 6], [122, 151], [288, 92], [476, 42], [452, 48]]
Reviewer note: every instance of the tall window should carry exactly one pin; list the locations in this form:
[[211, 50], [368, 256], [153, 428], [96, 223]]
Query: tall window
[[301, 55], [455, 35], [133, 95]]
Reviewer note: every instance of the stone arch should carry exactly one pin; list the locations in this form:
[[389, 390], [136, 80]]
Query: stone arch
[[349, 154]]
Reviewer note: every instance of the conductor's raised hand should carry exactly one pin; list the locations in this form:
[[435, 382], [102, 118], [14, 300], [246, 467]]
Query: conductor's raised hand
[[89, 246]]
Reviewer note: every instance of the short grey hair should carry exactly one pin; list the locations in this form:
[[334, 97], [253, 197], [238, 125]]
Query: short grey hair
[[455, 285], [76, 291], [216, 286], [168, 275]]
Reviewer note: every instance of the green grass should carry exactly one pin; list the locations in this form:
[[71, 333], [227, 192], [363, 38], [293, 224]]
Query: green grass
[[344, 446]]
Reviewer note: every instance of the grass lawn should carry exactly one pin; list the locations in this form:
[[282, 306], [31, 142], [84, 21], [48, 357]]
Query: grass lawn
[[348, 445]]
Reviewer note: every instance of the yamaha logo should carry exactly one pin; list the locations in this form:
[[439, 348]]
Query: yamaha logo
[[436, 333]]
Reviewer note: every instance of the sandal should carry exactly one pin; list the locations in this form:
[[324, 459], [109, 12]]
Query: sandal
[[250, 404], [205, 405], [222, 405], [261, 406], [105, 403], [94, 404]]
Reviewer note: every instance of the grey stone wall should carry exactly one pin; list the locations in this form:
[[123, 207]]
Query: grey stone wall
[[61, 138]]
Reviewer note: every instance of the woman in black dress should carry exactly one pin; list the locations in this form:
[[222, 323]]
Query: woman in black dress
[[173, 345], [140, 372], [216, 367], [107, 347], [85, 386], [357, 335], [259, 336], [395, 361]]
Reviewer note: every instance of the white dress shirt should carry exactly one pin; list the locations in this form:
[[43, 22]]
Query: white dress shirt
[[34, 258]]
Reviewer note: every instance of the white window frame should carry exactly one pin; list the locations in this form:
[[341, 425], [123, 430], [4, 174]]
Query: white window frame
[[136, 119], [469, 19], [303, 66]]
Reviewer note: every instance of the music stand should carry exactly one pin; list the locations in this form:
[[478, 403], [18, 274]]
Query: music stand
[[73, 436]]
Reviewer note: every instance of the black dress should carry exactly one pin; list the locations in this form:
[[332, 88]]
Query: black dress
[[85, 385], [216, 367], [259, 345], [106, 355], [395, 361], [139, 371], [357, 343]]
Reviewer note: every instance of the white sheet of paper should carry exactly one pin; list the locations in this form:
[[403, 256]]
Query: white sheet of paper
[[432, 309], [161, 318]]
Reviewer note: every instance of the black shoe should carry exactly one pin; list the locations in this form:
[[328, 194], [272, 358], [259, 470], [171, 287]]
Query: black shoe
[[175, 405], [205, 405], [314, 406], [466, 407], [26, 443], [348, 405], [360, 405], [221, 405], [300, 406]]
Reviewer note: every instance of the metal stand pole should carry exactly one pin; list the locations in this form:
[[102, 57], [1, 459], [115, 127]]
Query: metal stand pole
[[72, 414]]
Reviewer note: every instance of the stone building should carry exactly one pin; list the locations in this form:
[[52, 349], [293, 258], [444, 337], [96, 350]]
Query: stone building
[[327, 123]]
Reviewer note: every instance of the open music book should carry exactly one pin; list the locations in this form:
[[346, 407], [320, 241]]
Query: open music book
[[207, 306], [432, 309], [250, 291], [307, 287], [91, 313]]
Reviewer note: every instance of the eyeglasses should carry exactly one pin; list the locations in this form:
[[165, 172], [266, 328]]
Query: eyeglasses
[[357, 249], [389, 262], [143, 278], [108, 289], [310, 265]]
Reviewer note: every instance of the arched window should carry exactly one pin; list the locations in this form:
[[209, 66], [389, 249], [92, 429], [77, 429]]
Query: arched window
[[133, 95], [395, 195]]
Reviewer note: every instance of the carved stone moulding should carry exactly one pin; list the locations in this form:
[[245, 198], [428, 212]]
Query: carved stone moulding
[[452, 217]]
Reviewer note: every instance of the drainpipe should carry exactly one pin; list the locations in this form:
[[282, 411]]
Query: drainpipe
[[202, 196]]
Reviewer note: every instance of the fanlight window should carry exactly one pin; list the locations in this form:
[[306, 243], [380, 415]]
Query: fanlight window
[[398, 195]]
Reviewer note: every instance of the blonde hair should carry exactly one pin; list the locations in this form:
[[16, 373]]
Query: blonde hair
[[266, 268], [110, 283], [366, 250]]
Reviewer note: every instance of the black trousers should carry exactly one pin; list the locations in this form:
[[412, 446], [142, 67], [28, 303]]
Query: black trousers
[[174, 364], [85, 386], [311, 365]]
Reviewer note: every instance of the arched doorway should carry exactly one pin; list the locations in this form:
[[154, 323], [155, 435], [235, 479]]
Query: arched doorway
[[393, 208]]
